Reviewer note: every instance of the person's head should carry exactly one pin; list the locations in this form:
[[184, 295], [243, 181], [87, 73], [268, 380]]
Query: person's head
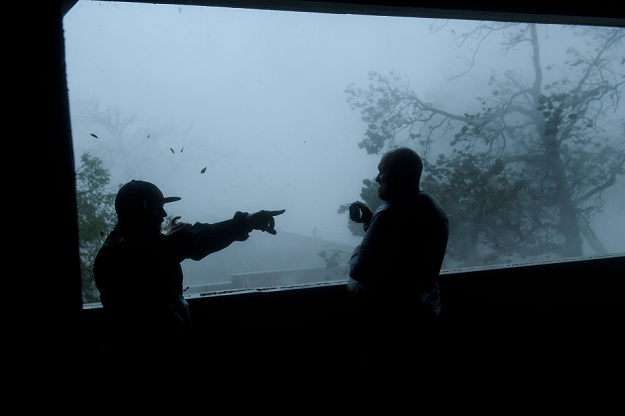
[[400, 173], [139, 205]]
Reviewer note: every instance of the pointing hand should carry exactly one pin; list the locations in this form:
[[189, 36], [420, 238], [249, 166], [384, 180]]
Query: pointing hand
[[264, 221]]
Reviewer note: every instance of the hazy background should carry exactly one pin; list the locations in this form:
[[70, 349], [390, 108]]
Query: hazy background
[[258, 99]]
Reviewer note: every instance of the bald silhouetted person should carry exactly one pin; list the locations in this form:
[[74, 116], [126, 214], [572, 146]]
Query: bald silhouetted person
[[138, 274], [394, 271]]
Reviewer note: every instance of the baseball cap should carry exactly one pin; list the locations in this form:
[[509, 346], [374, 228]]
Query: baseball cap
[[136, 196]]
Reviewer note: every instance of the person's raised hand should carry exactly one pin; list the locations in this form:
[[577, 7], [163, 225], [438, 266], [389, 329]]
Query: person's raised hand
[[264, 221], [175, 227], [365, 213]]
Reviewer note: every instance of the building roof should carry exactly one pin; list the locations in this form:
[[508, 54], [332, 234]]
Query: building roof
[[261, 252]]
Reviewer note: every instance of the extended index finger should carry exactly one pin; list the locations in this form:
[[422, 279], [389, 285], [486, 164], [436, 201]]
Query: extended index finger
[[274, 213]]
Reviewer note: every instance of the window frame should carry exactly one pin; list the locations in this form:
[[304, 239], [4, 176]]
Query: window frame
[[549, 11]]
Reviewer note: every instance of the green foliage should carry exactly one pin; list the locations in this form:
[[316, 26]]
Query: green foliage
[[96, 218], [336, 259], [487, 207], [166, 223], [527, 163]]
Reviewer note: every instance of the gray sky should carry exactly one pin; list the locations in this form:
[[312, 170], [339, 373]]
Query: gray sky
[[257, 97], [263, 96]]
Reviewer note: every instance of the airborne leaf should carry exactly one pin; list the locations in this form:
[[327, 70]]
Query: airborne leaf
[[93, 135], [182, 149], [172, 150], [203, 170]]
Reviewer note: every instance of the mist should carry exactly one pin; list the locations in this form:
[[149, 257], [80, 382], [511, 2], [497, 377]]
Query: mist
[[243, 110]]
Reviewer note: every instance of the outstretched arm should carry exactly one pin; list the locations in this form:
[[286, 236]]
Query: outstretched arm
[[199, 240]]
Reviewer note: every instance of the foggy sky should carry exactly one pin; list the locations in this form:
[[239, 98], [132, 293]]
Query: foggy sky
[[257, 97]]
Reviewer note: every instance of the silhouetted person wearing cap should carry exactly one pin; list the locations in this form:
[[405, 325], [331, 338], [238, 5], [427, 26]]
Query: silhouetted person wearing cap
[[394, 271], [138, 274]]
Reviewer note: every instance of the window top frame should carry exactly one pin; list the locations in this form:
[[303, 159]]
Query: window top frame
[[603, 13]]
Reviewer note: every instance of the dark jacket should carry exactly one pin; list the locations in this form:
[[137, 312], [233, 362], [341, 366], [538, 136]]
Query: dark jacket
[[400, 257], [140, 279]]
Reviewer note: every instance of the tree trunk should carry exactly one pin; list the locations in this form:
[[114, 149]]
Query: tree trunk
[[592, 238], [569, 227]]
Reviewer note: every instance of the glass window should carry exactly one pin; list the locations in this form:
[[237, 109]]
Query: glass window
[[243, 110]]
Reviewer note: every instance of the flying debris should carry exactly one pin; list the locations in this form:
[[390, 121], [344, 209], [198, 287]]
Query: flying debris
[[93, 135], [182, 149], [172, 150], [203, 170]]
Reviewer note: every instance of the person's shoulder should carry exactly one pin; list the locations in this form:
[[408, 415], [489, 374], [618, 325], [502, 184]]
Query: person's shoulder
[[123, 244], [382, 209], [424, 197], [429, 206]]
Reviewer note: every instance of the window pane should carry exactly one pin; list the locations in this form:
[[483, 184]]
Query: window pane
[[235, 109]]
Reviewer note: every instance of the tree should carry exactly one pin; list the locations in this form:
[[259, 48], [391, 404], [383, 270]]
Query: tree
[[528, 167], [96, 218]]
